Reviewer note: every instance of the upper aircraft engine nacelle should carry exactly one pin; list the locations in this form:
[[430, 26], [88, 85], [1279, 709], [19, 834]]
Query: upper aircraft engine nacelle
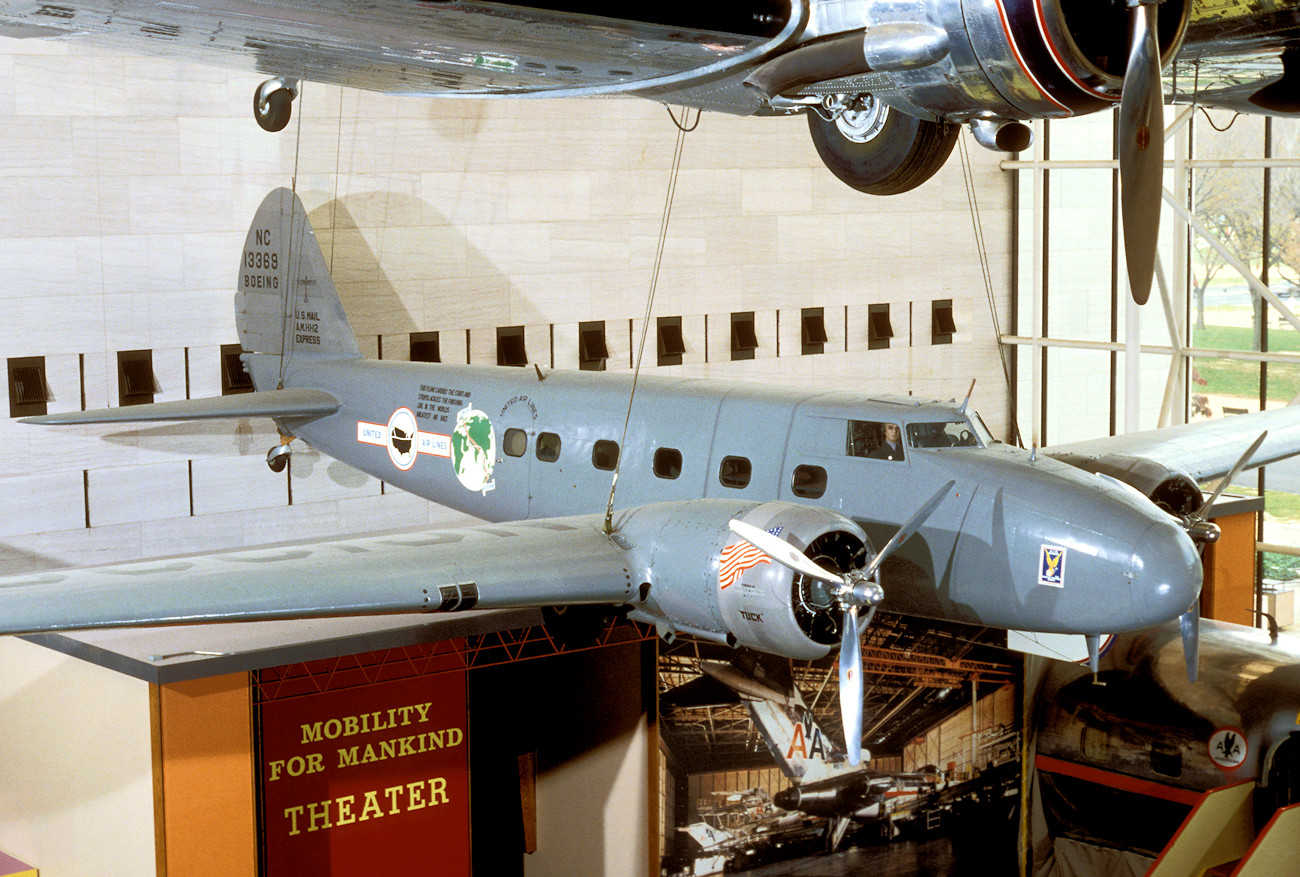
[[1169, 488], [705, 580], [975, 59]]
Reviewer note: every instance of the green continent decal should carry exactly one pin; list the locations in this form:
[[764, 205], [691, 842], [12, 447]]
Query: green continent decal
[[473, 449]]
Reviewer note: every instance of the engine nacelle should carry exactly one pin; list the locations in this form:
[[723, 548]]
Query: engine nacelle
[[704, 580], [1002, 59], [1168, 487]]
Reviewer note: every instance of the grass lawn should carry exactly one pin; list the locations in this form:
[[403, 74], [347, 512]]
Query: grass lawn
[[1233, 378]]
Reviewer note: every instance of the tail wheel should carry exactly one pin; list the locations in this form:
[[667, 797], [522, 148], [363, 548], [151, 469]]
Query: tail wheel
[[875, 148]]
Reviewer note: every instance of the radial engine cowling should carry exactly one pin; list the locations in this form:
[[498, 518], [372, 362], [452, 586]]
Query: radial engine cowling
[[1168, 487], [705, 580], [976, 59]]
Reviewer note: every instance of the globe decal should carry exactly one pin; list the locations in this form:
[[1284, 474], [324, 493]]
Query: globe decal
[[473, 449]]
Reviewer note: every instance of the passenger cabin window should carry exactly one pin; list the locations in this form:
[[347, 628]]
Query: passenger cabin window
[[953, 434], [667, 463], [548, 447], [735, 472], [604, 455], [879, 440], [514, 442], [808, 482]]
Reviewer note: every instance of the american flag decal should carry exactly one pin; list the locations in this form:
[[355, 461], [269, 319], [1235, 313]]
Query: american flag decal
[[736, 558]]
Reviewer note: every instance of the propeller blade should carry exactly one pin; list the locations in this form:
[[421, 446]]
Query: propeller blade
[[1232, 474], [783, 552], [1190, 625], [1141, 151], [851, 684], [906, 531]]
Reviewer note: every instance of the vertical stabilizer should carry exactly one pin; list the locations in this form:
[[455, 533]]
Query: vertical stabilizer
[[286, 304], [803, 751]]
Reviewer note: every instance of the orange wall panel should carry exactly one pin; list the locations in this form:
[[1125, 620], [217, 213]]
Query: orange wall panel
[[205, 778]]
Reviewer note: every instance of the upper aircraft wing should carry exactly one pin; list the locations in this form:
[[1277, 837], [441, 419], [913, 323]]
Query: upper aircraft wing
[[536, 563], [483, 49], [1204, 450]]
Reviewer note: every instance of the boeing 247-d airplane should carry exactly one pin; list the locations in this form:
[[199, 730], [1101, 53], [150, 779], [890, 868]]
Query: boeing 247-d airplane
[[969, 529]]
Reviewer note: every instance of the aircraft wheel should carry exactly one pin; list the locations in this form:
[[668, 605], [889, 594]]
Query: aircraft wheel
[[879, 150], [278, 457], [273, 104]]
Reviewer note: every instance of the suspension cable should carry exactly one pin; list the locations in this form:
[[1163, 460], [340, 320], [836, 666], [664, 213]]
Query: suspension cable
[[682, 131]]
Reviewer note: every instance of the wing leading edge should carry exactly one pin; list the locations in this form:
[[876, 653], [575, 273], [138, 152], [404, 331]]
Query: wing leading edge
[[535, 563], [1205, 449]]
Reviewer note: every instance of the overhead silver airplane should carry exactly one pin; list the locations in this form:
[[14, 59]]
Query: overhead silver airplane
[[885, 86], [970, 529]]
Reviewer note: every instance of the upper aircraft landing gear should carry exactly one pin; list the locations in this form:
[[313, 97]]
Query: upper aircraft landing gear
[[273, 103], [875, 148]]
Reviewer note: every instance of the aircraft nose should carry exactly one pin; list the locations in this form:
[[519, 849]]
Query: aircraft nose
[[1166, 572]]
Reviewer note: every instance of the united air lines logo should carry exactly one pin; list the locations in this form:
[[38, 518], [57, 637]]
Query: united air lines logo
[[1051, 566], [403, 439]]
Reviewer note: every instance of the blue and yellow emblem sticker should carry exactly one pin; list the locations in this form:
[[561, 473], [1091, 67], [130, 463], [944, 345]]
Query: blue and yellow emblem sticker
[[1051, 566]]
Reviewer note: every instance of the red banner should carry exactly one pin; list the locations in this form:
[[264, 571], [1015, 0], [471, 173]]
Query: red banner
[[368, 779]]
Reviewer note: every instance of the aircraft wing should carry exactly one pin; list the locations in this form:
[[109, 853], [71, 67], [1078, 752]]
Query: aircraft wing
[[1204, 449], [534, 563], [468, 47]]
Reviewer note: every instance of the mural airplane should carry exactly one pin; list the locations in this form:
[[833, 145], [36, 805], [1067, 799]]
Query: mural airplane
[[972, 530], [885, 86]]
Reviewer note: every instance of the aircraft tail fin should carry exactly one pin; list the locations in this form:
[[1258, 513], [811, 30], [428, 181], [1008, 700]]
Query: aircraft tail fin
[[706, 835], [801, 748], [286, 304]]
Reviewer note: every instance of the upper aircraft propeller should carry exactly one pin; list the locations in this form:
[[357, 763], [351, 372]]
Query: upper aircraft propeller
[[854, 589], [1141, 149]]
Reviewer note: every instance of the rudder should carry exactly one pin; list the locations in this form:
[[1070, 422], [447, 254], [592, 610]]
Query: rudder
[[286, 304]]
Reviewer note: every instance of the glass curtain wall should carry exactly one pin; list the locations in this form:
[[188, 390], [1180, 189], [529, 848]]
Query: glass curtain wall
[[1208, 343]]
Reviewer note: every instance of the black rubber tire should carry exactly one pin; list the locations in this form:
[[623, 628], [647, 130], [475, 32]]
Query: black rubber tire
[[906, 152], [279, 108], [277, 464]]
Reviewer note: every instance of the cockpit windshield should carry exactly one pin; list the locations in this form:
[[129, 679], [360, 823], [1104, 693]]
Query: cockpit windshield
[[950, 434]]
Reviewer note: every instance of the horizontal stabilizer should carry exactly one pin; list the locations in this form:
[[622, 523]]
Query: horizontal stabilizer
[[291, 403]]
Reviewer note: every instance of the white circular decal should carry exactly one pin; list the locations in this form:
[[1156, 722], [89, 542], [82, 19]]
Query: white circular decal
[[1228, 748], [403, 436]]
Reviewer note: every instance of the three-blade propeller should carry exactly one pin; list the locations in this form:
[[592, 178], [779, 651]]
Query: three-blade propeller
[[854, 590], [1189, 623], [1141, 149]]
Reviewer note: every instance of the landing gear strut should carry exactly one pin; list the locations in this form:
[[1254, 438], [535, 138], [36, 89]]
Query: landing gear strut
[[273, 103]]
